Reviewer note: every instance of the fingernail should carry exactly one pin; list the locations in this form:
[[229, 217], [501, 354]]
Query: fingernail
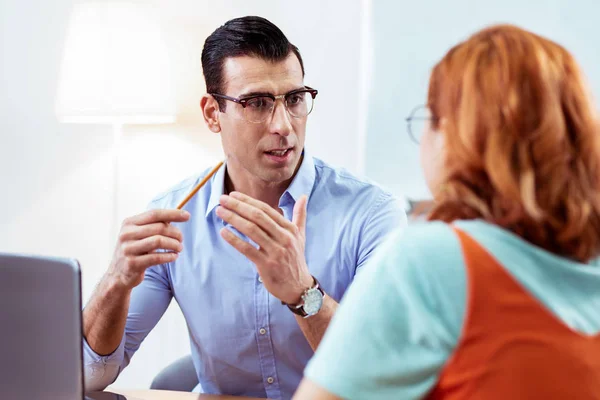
[[186, 213]]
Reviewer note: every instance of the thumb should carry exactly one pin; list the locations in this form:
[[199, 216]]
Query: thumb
[[299, 217]]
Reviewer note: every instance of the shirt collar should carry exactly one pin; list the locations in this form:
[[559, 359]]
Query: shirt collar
[[217, 189], [302, 183]]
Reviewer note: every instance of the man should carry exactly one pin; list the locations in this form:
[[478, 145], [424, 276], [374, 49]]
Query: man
[[268, 247]]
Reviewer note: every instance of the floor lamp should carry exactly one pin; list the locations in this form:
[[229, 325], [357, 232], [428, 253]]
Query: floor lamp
[[115, 71]]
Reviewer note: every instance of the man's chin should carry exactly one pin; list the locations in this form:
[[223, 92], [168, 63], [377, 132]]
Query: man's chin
[[277, 175]]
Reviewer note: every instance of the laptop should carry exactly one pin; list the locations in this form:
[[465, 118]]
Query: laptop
[[41, 329]]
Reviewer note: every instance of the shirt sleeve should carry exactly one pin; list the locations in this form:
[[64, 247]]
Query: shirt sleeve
[[386, 216], [399, 322], [149, 301]]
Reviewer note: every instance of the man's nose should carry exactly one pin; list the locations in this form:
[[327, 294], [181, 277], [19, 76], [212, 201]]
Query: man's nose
[[280, 121]]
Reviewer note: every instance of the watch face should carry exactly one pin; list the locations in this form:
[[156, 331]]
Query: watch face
[[313, 300]]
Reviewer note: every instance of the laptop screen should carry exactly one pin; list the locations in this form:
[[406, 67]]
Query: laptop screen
[[40, 328]]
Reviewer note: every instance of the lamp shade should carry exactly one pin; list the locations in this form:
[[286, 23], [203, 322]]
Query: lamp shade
[[115, 67]]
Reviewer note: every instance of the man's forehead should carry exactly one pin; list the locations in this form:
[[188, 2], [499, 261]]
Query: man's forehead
[[252, 74]]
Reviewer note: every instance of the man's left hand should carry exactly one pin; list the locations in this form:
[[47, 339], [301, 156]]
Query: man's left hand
[[279, 259]]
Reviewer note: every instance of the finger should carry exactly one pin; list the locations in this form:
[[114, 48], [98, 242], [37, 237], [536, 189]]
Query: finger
[[237, 198], [158, 215], [248, 228], [253, 214], [143, 262], [299, 217], [135, 232], [242, 246], [151, 244]]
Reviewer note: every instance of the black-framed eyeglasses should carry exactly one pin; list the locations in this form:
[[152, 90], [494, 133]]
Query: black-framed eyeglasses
[[259, 108], [417, 121]]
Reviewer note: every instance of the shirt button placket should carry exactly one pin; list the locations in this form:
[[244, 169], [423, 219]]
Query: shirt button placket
[[265, 346]]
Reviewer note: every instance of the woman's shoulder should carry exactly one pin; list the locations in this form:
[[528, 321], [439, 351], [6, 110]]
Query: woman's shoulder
[[427, 239], [425, 260]]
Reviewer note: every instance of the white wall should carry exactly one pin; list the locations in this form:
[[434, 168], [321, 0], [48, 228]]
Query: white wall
[[56, 179], [411, 36]]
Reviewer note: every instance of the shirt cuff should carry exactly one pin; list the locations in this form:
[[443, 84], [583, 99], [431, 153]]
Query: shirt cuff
[[101, 371]]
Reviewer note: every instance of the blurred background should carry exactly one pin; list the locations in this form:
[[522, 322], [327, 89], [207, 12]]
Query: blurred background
[[99, 107]]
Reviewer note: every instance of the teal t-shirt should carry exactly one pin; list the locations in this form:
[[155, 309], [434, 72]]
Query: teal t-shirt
[[401, 320]]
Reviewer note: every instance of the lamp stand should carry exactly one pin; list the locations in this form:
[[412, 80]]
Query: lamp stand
[[117, 133]]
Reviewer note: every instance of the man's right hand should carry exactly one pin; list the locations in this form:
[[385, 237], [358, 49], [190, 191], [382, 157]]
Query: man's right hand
[[140, 239], [105, 315]]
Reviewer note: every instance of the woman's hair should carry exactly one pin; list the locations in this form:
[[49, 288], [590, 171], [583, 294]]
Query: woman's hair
[[522, 140]]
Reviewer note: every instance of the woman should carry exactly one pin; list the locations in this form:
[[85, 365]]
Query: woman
[[497, 296]]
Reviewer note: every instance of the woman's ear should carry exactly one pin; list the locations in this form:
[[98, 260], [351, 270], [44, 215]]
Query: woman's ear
[[210, 111]]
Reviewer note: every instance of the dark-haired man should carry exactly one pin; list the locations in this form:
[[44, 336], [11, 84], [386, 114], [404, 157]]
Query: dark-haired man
[[266, 249]]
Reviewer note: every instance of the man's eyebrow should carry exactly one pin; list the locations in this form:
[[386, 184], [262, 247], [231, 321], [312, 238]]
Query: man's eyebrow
[[252, 94], [256, 93], [297, 89]]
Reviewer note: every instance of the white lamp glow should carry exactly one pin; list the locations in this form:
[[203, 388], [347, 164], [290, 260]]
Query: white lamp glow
[[115, 71], [115, 67]]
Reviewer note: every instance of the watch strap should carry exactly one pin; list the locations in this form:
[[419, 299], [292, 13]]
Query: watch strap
[[298, 309]]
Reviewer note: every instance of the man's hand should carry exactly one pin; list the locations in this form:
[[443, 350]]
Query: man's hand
[[139, 239], [280, 257]]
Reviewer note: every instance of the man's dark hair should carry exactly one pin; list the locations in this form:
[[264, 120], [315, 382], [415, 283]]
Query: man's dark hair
[[246, 36]]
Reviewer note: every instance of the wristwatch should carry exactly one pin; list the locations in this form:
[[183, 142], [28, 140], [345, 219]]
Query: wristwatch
[[312, 301]]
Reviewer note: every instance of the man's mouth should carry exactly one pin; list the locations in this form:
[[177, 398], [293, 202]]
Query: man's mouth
[[279, 152], [279, 156]]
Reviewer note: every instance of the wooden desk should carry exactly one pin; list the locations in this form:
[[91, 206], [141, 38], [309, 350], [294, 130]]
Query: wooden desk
[[169, 395]]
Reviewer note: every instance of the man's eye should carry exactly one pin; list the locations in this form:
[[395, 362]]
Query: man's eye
[[295, 99], [258, 102]]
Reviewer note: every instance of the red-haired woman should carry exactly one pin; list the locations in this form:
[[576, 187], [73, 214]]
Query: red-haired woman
[[498, 295]]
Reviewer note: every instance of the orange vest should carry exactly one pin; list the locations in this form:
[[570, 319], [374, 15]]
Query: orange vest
[[512, 346]]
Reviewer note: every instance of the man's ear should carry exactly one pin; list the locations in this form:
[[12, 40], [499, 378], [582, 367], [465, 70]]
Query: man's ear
[[210, 110]]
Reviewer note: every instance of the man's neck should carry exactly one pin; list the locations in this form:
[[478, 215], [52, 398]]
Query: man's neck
[[267, 192]]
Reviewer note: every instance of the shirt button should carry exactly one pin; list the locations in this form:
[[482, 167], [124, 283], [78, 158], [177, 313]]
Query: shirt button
[[270, 380], [262, 331], [260, 279]]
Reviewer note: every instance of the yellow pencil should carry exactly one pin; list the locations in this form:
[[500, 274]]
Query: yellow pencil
[[198, 186]]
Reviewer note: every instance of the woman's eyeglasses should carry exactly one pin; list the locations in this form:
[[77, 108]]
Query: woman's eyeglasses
[[418, 120]]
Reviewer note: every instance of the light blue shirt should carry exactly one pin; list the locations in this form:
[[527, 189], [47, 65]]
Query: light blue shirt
[[401, 322], [243, 340]]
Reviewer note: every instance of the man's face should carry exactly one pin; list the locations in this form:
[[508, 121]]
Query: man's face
[[268, 150]]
